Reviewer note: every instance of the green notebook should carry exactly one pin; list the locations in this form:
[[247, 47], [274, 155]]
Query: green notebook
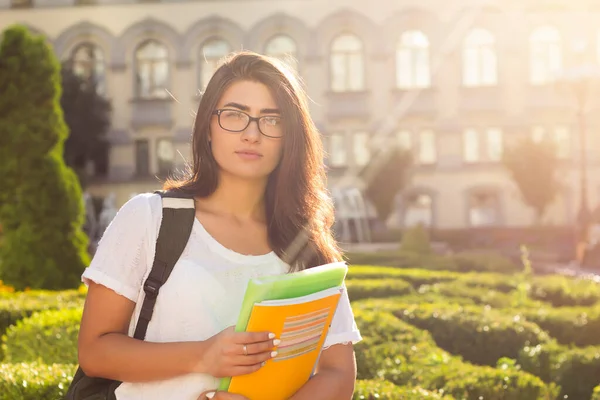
[[285, 286]]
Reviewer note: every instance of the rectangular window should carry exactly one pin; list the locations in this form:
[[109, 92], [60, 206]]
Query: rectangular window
[[471, 146], [337, 150], [142, 157], [165, 154], [494, 144], [362, 154], [427, 147]]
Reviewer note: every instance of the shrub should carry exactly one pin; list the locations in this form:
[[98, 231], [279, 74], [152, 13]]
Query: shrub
[[23, 304], [479, 335], [561, 291], [374, 288], [407, 355], [41, 206], [569, 326], [484, 262], [416, 240], [383, 390], [33, 381], [48, 336], [416, 277], [479, 295], [576, 370]]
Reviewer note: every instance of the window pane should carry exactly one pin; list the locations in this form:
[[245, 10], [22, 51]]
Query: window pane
[[412, 60], [337, 150], [211, 53], [338, 72], [356, 73], [494, 144], [483, 210], [471, 68], [347, 64], [283, 47], [471, 145], [152, 66], [161, 75], [142, 157], [165, 154], [427, 148], [88, 63], [361, 148], [546, 54]]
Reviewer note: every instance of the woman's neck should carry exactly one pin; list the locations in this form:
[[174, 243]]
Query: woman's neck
[[237, 198]]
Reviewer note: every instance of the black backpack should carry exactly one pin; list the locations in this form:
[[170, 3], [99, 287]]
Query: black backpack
[[178, 214]]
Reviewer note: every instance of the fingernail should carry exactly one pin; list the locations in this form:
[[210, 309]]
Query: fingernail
[[210, 395], [273, 354], [271, 335], [262, 364], [276, 342]]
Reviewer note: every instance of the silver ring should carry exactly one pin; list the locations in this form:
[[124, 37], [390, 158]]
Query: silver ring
[[245, 350]]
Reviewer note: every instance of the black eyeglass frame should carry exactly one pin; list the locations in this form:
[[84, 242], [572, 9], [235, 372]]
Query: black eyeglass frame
[[219, 111]]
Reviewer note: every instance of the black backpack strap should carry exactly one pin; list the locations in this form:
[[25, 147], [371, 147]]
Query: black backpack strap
[[178, 214]]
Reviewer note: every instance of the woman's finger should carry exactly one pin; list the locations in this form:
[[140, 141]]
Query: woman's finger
[[220, 395]]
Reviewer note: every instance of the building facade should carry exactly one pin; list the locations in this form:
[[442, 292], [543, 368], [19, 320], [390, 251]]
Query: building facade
[[453, 82]]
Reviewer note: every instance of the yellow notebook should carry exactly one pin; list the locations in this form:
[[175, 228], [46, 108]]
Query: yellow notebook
[[301, 324]]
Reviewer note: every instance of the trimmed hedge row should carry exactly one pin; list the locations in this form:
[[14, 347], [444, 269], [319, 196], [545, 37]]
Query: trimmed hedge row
[[460, 262], [377, 288], [561, 291], [569, 326], [576, 370], [34, 381], [48, 337], [480, 335], [16, 306], [404, 355]]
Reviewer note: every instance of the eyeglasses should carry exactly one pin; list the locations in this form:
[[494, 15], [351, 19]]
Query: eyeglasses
[[237, 121]]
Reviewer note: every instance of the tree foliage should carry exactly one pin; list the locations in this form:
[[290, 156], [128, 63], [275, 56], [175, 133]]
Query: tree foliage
[[41, 206], [533, 166], [387, 178], [87, 115]]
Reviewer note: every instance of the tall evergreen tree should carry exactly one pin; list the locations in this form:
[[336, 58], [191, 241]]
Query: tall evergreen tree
[[41, 205]]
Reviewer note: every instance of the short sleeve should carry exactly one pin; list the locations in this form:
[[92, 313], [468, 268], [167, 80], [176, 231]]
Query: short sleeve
[[343, 327], [121, 258]]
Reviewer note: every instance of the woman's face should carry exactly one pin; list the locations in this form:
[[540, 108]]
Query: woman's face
[[248, 153]]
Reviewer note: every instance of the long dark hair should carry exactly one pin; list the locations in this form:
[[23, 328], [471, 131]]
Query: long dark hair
[[296, 199]]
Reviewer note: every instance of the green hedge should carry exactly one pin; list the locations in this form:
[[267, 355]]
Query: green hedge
[[561, 291], [479, 334], [480, 294], [460, 262], [415, 277], [404, 355], [570, 326], [383, 390], [33, 381], [376, 288], [16, 306], [576, 370], [48, 336]]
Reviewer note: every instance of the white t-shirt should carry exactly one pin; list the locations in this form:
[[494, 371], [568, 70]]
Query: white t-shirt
[[202, 296]]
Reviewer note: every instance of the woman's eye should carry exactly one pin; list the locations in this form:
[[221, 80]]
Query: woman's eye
[[272, 121], [233, 114]]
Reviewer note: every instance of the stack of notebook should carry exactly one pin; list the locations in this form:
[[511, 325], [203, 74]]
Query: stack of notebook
[[298, 308]]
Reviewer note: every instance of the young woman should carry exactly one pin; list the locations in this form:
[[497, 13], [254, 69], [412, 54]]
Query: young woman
[[258, 180]]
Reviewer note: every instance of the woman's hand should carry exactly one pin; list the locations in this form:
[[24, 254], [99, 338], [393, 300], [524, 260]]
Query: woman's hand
[[219, 395], [231, 353]]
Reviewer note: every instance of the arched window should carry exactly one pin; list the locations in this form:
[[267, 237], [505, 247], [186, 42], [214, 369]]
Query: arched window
[[152, 69], [483, 209], [545, 55], [347, 64], [211, 53], [284, 48], [480, 64], [412, 61], [87, 60]]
